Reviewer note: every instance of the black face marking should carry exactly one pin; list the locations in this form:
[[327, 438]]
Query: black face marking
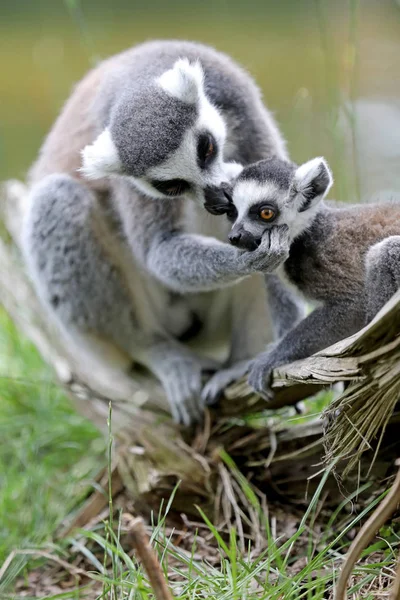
[[232, 213], [241, 238], [206, 149], [256, 210], [171, 187]]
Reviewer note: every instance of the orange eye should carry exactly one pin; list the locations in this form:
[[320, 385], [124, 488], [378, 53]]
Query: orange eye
[[210, 150], [267, 214]]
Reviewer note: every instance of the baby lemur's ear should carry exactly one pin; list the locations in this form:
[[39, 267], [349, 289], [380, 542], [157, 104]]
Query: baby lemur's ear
[[311, 183], [101, 159], [184, 81]]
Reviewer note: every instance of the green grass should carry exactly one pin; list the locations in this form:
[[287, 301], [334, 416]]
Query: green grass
[[304, 566], [48, 454], [47, 451]]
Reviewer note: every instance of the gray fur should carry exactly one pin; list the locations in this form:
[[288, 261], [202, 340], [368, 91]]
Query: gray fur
[[287, 310], [247, 310], [142, 142], [382, 278], [275, 170], [324, 326], [347, 258], [107, 259]]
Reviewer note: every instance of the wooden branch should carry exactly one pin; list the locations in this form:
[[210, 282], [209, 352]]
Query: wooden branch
[[140, 542], [366, 534], [395, 591], [348, 360]]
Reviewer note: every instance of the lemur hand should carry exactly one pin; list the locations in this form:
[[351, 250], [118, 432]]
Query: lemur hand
[[260, 374], [214, 388], [271, 253]]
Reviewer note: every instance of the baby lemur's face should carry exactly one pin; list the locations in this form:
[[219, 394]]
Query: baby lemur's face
[[273, 192], [166, 137]]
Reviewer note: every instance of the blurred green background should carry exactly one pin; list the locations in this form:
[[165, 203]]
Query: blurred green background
[[329, 70], [324, 68]]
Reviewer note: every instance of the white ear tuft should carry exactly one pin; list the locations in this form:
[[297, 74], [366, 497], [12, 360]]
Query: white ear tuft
[[101, 159], [184, 81], [312, 180]]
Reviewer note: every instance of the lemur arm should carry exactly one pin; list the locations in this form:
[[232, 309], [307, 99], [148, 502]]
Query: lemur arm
[[194, 263], [326, 325], [287, 309]]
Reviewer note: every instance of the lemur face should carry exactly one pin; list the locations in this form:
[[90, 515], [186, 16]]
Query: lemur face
[[273, 192], [168, 139]]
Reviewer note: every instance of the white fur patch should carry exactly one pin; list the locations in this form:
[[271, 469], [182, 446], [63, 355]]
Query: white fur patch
[[100, 159], [248, 193], [145, 187], [184, 81], [309, 170], [210, 119], [299, 221], [232, 170]]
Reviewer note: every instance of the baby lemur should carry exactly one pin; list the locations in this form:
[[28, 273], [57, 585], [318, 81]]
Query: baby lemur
[[345, 258], [121, 251]]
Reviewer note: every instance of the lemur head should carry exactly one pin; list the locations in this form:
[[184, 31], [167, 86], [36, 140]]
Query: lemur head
[[273, 192], [166, 137]]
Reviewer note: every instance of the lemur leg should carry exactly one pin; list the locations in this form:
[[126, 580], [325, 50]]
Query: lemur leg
[[382, 274], [80, 280], [251, 332], [324, 326], [264, 310]]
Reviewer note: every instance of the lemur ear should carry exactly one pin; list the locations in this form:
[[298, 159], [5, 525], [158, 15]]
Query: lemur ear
[[311, 183], [101, 159], [184, 81]]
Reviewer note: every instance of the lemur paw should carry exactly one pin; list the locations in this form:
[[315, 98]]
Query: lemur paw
[[271, 253], [183, 381], [214, 388], [183, 391], [260, 376]]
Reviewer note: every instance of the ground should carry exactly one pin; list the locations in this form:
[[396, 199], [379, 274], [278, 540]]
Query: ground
[[49, 456]]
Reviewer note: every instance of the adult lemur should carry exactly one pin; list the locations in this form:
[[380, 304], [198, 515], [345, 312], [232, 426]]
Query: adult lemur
[[119, 245], [346, 258]]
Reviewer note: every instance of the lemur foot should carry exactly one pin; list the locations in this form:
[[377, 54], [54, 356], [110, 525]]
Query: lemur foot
[[214, 388], [183, 386], [181, 373], [260, 375]]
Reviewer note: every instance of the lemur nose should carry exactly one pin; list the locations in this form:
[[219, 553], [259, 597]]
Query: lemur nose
[[235, 238]]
